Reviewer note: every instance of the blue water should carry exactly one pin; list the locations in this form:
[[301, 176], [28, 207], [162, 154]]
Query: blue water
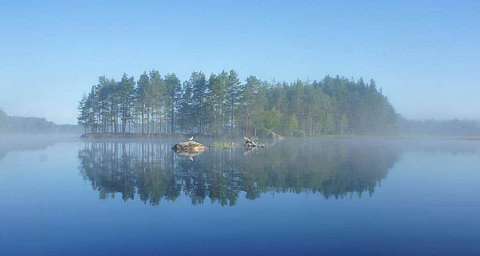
[[296, 197]]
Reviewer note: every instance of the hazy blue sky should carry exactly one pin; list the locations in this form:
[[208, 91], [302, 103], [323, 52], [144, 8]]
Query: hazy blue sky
[[424, 54]]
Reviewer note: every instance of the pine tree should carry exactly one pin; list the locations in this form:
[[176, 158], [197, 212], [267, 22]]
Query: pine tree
[[234, 96], [173, 88], [126, 89]]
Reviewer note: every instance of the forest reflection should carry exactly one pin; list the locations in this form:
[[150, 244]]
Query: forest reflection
[[152, 172]]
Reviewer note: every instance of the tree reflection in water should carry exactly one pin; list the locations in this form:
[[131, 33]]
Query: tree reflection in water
[[152, 171]]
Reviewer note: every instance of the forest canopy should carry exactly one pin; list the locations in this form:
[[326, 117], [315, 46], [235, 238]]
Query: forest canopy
[[221, 104]]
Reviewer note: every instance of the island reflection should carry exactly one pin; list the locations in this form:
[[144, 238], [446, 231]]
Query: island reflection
[[152, 172]]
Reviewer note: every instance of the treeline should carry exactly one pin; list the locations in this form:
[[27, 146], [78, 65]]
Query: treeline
[[221, 104], [432, 127], [34, 125]]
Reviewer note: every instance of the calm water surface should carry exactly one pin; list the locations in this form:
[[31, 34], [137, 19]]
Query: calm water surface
[[297, 197]]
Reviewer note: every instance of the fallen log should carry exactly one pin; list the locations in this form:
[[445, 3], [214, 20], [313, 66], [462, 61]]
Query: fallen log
[[250, 143]]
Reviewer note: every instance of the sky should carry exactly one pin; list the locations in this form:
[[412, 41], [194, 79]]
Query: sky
[[425, 55]]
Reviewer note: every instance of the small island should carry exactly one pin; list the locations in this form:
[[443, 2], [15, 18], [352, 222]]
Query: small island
[[221, 105]]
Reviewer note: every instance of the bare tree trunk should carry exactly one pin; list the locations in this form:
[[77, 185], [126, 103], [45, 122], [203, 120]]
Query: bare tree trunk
[[172, 124], [143, 120]]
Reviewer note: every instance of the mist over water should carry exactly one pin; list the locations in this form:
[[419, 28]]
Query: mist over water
[[304, 196]]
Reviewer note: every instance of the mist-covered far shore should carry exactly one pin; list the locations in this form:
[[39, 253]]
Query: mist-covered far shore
[[11, 125], [438, 128]]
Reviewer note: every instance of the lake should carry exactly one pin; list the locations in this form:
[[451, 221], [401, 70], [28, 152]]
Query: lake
[[364, 196]]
